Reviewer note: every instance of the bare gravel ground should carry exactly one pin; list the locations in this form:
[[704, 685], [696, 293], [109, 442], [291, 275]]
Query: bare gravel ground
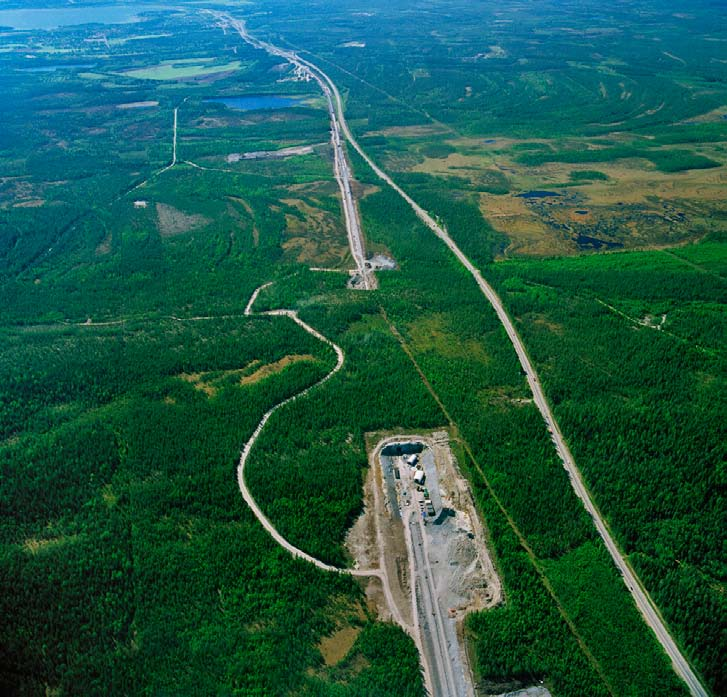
[[443, 555]]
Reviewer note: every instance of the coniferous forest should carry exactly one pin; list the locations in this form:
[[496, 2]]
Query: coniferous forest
[[155, 170]]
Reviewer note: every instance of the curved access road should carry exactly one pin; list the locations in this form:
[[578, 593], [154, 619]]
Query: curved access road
[[379, 573], [643, 600], [246, 494]]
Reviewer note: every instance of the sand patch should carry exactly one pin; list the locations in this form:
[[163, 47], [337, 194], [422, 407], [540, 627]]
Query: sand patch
[[335, 647], [210, 382], [315, 236], [35, 203], [409, 131], [197, 379], [528, 234], [137, 105], [272, 368], [282, 153], [104, 246], [35, 546]]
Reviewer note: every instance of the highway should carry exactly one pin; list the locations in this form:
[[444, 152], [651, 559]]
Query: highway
[[642, 599]]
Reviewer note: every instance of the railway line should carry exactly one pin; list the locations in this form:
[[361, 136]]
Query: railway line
[[364, 276]]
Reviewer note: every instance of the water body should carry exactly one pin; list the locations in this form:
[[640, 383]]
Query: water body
[[257, 101], [73, 16], [538, 194], [53, 68], [586, 242], [402, 449]]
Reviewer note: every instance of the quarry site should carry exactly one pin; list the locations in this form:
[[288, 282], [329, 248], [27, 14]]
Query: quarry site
[[420, 526]]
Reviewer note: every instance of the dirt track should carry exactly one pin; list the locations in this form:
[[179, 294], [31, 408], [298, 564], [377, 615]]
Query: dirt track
[[379, 573]]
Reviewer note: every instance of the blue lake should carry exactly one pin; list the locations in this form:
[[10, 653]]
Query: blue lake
[[257, 101], [538, 194], [53, 68], [71, 16]]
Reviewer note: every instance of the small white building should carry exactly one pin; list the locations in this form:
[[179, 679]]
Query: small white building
[[412, 460], [419, 477]]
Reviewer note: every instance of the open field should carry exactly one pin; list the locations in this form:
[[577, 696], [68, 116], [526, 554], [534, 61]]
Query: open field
[[182, 69], [625, 202]]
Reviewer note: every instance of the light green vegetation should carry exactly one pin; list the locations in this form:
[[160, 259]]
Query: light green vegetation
[[181, 69]]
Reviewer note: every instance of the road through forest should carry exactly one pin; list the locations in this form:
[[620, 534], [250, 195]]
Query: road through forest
[[379, 573], [643, 601]]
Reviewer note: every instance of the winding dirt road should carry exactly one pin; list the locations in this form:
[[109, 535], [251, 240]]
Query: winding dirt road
[[379, 573]]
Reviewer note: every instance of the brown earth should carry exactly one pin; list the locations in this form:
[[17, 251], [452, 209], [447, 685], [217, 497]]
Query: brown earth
[[276, 367], [335, 647], [315, 236]]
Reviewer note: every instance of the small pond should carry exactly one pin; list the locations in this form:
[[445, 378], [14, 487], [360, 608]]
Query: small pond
[[538, 194], [587, 242]]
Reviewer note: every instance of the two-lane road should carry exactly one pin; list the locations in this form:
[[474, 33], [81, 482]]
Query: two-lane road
[[642, 599]]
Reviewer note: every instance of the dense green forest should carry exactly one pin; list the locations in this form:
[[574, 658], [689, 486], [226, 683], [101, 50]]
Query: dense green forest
[[632, 357], [130, 377], [129, 563], [130, 380], [560, 583], [630, 347]]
